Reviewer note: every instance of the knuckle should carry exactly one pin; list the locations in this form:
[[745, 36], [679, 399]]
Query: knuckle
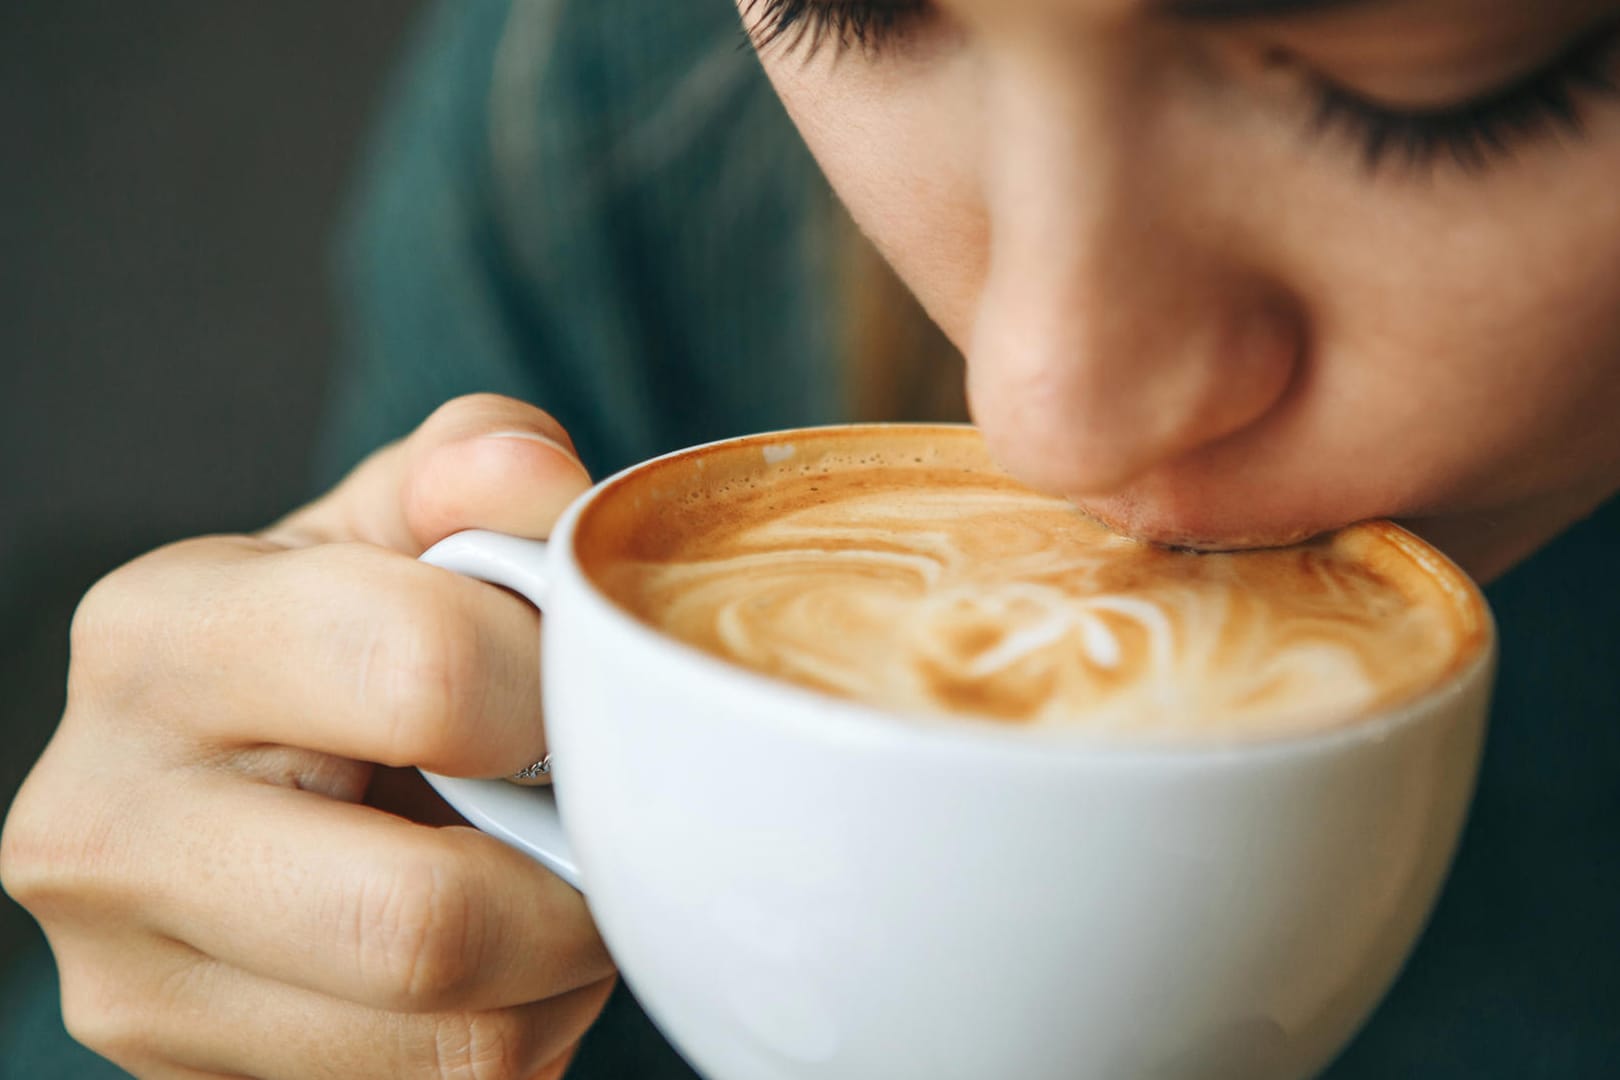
[[104, 623], [57, 850], [417, 930], [22, 852], [480, 1046], [26, 858], [104, 1016], [422, 669], [111, 639]]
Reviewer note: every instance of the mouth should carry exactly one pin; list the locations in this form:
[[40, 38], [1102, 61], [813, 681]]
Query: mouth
[[1151, 526]]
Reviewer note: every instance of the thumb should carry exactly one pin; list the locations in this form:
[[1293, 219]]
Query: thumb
[[479, 462]]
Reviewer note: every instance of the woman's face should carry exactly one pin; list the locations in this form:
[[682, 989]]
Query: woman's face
[[1233, 272]]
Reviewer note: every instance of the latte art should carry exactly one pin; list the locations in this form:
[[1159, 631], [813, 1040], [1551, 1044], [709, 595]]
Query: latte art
[[930, 587]]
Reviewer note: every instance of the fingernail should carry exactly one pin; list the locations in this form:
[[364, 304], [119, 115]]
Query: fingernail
[[536, 437]]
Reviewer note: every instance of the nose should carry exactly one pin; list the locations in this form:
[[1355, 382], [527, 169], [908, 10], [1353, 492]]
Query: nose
[[1119, 327]]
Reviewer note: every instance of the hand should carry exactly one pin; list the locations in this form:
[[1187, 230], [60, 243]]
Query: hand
[[208, 843]]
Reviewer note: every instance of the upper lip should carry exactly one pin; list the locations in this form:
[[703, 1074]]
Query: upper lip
[[1167, 533]]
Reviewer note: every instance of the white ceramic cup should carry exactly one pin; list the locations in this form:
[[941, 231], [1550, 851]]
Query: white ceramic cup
[[798, 887]]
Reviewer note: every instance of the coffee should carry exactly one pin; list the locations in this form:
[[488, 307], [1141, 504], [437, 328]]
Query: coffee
[[897, 566]]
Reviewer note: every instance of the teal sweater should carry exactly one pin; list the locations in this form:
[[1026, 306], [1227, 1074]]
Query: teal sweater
[[598, 206]]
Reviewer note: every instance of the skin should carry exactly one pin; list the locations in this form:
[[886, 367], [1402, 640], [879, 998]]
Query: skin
[[1204, 325], [236, 873], [1177, 309]]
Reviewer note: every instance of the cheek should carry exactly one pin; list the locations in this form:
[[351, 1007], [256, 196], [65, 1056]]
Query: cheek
[[1464, 335], [1469, 347], [901, 147]]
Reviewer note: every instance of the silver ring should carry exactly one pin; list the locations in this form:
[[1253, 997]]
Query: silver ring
[[535, 771]]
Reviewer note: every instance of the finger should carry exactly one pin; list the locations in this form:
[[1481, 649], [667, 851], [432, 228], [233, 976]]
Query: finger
[[557, 1069], [163, 1009], [113, 1002], [292, 1035], [481, 461], [354, 904], [346, 649]]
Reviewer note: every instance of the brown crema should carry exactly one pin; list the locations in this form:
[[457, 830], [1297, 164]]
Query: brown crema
[[896, 565]]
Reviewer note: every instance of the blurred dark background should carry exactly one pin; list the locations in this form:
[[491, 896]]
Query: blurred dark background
[[171, 173]]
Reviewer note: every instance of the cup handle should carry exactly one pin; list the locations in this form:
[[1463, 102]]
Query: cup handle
[[524, 817]]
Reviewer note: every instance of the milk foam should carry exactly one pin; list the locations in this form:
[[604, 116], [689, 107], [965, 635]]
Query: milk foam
[[955, 591]]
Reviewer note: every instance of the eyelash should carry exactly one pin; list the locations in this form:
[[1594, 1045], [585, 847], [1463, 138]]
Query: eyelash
[[808, 26], [1476, 134], [1472, 135]]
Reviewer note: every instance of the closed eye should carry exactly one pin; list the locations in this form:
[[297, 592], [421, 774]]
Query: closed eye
[[810, 26], [1476, 133]]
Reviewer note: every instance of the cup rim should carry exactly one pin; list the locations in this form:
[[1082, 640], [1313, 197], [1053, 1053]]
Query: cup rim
[[849, 718]]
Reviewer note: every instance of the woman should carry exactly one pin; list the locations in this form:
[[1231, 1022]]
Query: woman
[[1225, 272]]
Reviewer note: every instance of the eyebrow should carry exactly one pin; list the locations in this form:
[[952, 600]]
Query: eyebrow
[[1234, 10]]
